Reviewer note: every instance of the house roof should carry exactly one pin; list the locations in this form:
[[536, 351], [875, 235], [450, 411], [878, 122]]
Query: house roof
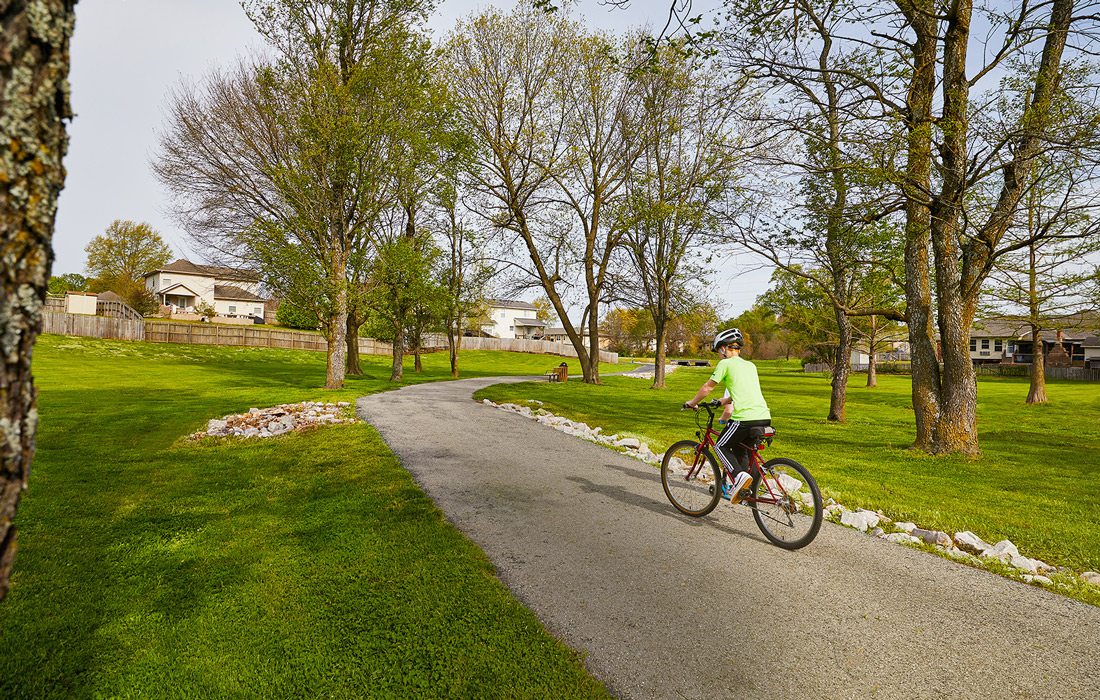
[[511, 304], [529, 322], [228, 291], [178, 286], [187, 267], [108, 296], [1074, 327], [557, 330]]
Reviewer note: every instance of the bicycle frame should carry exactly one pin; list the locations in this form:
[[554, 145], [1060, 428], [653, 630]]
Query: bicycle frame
[[707, 436]]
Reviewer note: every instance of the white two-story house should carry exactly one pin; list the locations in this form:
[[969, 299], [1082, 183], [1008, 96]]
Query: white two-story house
[[184, 286], [511, 319]]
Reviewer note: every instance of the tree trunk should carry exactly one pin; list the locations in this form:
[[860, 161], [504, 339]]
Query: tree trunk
[[398, 369], [659, 355], [34, 102], [337, 344], [1037, 393], [843, 368], [592, 375], [454, 342], [921, 15], [352, 338]]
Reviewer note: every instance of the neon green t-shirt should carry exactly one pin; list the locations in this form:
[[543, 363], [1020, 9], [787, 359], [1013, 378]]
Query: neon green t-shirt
[[739, 377]]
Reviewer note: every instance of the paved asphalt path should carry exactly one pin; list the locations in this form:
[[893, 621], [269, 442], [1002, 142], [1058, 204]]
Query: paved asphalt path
[[666, 606]]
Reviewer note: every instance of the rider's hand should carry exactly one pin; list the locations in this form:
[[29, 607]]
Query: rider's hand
[[687, 405]]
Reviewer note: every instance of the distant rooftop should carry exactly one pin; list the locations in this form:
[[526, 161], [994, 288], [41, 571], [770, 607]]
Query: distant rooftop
[[187, 267], [511, 304]]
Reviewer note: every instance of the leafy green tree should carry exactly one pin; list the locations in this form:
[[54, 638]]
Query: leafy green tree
[[297, 158], [69, 282], [401, 291], [690, 160], [119, 258]]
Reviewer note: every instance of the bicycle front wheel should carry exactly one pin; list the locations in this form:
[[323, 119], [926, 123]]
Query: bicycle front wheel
[[691, 478], [786, 503]]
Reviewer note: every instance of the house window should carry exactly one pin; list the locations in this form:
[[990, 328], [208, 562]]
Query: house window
[[985, 343], [257, 311], [232, 309], [511, 328], [973, 345], [167, 281], [998, 345]]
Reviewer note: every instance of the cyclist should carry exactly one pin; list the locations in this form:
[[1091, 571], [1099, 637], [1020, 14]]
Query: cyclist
[[749, 409]]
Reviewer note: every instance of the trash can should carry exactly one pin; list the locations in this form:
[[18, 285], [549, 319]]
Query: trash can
[[563, 372]]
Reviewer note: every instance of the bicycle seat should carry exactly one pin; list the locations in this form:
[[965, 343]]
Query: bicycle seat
[[758, 435]]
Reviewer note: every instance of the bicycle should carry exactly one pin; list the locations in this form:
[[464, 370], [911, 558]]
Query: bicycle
[[784, 497]]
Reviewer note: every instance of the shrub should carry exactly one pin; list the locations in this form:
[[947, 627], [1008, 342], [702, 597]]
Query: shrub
[[293, 316]]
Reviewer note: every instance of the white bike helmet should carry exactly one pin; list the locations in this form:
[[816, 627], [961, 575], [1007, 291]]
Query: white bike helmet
[[730, 336]]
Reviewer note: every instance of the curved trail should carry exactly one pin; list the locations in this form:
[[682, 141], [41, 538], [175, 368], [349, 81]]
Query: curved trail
[[664, 606]]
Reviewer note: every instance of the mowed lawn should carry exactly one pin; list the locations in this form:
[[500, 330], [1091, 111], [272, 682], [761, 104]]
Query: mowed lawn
[[1037, 482], [308, 565]]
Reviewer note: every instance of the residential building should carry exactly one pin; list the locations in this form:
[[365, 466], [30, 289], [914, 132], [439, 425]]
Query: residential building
[[184, 286], [508, 318], [1069, 341]]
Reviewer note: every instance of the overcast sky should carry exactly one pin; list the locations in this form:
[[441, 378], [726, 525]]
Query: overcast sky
[[127, 55]]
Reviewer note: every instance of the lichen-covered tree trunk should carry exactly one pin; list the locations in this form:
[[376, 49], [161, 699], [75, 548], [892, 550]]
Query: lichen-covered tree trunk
[[34, 102], [337, 344], [397, 368]]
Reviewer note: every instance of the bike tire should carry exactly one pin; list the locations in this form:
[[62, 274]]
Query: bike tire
[[787, 525], [695, 497]]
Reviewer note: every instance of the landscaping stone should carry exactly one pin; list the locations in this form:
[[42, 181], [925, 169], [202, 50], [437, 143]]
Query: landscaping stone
[[277, 420], [936, 537], [878, 532], [969, 542], [1003, 550], [1038, 579], [860, 519], [1091, 578], [901, 537], [907, 528], [630, 443]]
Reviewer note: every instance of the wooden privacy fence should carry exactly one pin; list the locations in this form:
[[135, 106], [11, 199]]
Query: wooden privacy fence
[[249, 336], [62, 323], [266, 337]]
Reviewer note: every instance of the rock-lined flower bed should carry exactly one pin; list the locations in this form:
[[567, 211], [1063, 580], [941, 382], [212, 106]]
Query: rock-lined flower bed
[[962, 546], [269, 422]]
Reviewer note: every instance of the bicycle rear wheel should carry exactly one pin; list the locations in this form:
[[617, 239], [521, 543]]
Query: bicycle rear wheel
[[787, 505], [691, 478]]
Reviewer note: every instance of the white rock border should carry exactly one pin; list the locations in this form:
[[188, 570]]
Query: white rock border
[[963, 546]]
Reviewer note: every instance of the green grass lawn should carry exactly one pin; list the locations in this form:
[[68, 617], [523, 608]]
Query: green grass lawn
[[305, 566], [1037, 482]]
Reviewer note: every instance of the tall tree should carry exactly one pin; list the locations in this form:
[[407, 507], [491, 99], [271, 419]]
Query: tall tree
[[34, 102], [549, 110], [947, 162], [827, 135], [690, 160], [296, 155]]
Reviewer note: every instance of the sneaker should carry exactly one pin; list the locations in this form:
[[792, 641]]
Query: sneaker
[[742, 485], [726, 489]]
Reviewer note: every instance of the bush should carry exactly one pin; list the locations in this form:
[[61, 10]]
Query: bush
[[293, 316]]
